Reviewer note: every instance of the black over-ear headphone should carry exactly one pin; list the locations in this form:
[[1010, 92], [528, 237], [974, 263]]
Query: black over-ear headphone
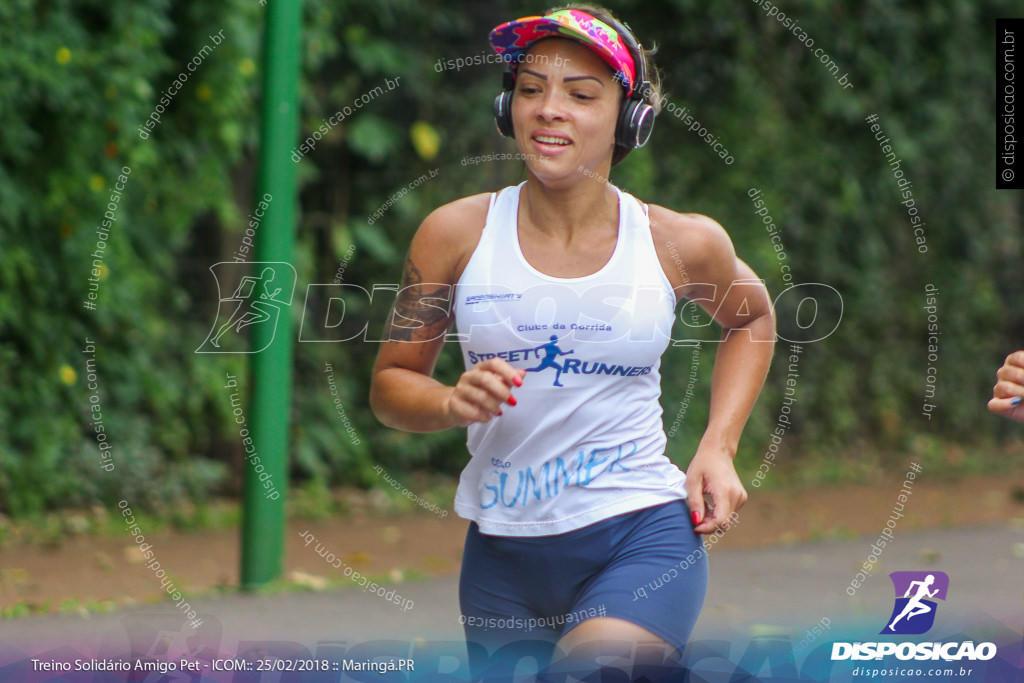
[[636, 116]]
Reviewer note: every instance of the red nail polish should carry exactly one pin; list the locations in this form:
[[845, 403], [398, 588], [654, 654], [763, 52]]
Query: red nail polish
[[512, 400], [696, 517], [517, 381], [499, 413]]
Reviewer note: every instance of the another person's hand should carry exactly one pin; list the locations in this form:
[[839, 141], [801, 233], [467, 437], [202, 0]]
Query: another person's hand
[[482, 390], [713, 473], [1008, 392]]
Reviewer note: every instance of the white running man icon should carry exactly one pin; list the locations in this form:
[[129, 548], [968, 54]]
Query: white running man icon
[[258, 311], [914, 606]]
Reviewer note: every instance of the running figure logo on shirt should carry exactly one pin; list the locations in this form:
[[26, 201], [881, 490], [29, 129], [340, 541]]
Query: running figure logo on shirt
[[914, 613], [551, 352], [548, 354]]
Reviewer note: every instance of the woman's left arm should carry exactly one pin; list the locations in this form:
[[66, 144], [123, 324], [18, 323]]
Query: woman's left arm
[[737, 299]]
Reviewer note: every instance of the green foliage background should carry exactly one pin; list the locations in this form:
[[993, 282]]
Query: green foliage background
[[78, 78]]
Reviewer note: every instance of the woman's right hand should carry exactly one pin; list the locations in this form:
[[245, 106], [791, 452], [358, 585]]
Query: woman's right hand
[[481, 391]]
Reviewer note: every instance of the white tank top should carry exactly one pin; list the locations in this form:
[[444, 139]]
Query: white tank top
[[585, 441]]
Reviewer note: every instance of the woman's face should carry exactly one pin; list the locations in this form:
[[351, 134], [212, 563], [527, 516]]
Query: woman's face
[[565, 109]]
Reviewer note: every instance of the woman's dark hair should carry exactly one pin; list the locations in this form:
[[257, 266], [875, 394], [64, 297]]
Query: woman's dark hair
[[653, 95]]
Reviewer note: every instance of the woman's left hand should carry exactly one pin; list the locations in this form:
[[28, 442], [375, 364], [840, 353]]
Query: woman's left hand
[[1009, 387], [712, 472]]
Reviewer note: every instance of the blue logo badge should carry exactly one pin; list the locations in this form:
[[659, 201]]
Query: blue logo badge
[[916, 592]]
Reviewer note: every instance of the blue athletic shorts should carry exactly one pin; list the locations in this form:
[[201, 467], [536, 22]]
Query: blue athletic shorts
[[647, 567]]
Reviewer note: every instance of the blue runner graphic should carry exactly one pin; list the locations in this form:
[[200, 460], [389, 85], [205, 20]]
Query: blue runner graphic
[[551, 352]]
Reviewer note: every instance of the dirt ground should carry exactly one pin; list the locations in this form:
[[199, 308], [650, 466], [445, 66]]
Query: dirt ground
[[87, 571]]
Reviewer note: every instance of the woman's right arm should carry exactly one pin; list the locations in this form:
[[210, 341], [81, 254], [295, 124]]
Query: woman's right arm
[[403, 395]]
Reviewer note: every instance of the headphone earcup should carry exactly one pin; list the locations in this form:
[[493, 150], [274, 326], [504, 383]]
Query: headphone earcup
[[636, 122], [503, 113]]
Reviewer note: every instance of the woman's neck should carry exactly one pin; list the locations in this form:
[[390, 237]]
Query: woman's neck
[[586, 209]]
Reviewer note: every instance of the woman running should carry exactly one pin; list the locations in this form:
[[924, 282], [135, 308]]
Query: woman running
[[563, 290]]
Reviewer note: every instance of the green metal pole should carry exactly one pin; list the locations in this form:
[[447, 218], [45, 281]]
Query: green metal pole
[[263, 519]]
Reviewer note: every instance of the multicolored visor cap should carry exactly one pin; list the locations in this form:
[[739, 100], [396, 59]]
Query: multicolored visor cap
[[512, 39]]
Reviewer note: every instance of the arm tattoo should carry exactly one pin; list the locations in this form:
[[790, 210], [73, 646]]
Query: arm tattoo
[[421, 309]]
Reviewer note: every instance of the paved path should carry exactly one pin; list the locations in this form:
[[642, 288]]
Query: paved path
[[753, 592]]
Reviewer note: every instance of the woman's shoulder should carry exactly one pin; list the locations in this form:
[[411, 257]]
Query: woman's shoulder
[[463, 213], [692, 242], [451, 231], [669, 224]]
